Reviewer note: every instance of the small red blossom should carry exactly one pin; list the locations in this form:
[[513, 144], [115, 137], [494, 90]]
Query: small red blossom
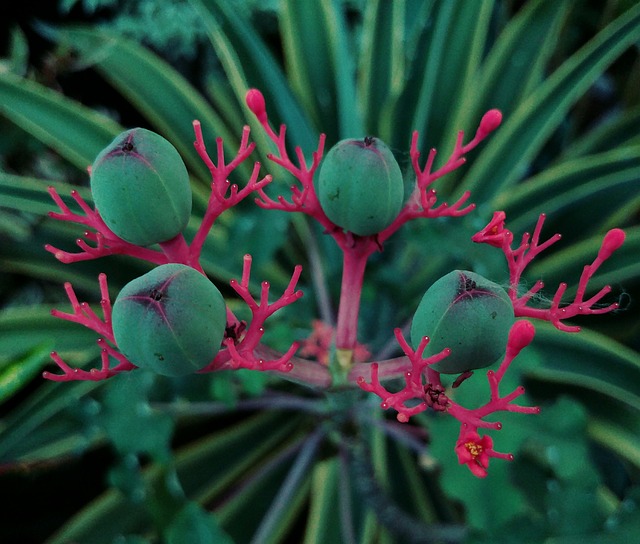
[[317, 345], [494, 233], [474, 451]]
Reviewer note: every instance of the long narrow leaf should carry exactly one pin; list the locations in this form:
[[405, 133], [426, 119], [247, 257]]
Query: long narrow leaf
[[248, 63], [306, 50], [505, 158], [164, 96], [588, 360], [76, 132], [565, 190]]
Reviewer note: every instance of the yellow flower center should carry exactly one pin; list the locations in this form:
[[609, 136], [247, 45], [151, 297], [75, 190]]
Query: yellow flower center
[[473, 448]]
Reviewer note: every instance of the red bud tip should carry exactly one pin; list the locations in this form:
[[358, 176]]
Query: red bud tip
[[521, 335], [255, 102], [612, 241], [490, 121]]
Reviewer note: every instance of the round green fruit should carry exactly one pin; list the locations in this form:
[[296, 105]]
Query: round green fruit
[[360, 186], [171, 320], [140, 186], [467, 313]]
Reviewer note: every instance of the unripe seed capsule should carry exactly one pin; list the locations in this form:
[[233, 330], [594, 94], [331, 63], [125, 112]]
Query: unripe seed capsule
[[170, 320], [140, 186], [470, 315], [360, 186]]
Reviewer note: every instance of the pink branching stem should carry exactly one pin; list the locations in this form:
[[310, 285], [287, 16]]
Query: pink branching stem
[[356, 249], [241, 353], [106, 242], [84, 315], [423, 201], [95, 374], [423, 390], [224, 195], [520, 336], [177, 251], [303, 198], [415, 388], [471, 449], [518, 259]]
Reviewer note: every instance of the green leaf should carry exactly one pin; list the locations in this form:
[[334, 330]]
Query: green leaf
[[620, 129], [131, 424], [17, 373], [516, 61], [194, 525], [27, 194], [614, 425], [304, 37], [564, 191], [587, 360], [202, 475], [154, 87], [508, 152], [349, 114], [76, 132], [248, 63], [275, 519], [322, 525], [416, 105]]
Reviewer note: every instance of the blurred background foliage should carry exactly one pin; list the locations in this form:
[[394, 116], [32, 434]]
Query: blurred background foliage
[[242, 457]]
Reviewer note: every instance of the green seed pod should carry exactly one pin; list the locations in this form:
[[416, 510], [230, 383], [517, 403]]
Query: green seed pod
[[141, 188], [468, 314], [170, 320], [360, 186]]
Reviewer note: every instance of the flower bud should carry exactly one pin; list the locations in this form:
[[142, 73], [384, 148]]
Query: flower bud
[[141, 189], [612, 242], [170, 320], [468, 314], [360, 186]]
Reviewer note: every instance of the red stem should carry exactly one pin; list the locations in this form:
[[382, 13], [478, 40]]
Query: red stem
[[177, 251], [354, 264]]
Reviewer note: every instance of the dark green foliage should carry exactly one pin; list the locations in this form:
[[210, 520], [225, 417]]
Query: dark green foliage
[[565, 76]]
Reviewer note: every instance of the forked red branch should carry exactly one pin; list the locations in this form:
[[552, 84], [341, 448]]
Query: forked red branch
[[224, 194], [241, 352], [83, 314], [423, 390], [497, 235], [106, 242]]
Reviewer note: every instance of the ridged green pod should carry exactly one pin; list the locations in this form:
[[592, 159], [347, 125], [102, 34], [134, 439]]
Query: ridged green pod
[[140, 186], [170, 320], [467, 313], [360, 186]]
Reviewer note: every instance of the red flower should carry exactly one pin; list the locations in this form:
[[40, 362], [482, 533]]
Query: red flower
[[494, 233], [474, 451]]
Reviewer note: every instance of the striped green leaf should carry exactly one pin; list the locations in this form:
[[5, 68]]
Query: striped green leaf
[[76, 132], [506, 156]]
